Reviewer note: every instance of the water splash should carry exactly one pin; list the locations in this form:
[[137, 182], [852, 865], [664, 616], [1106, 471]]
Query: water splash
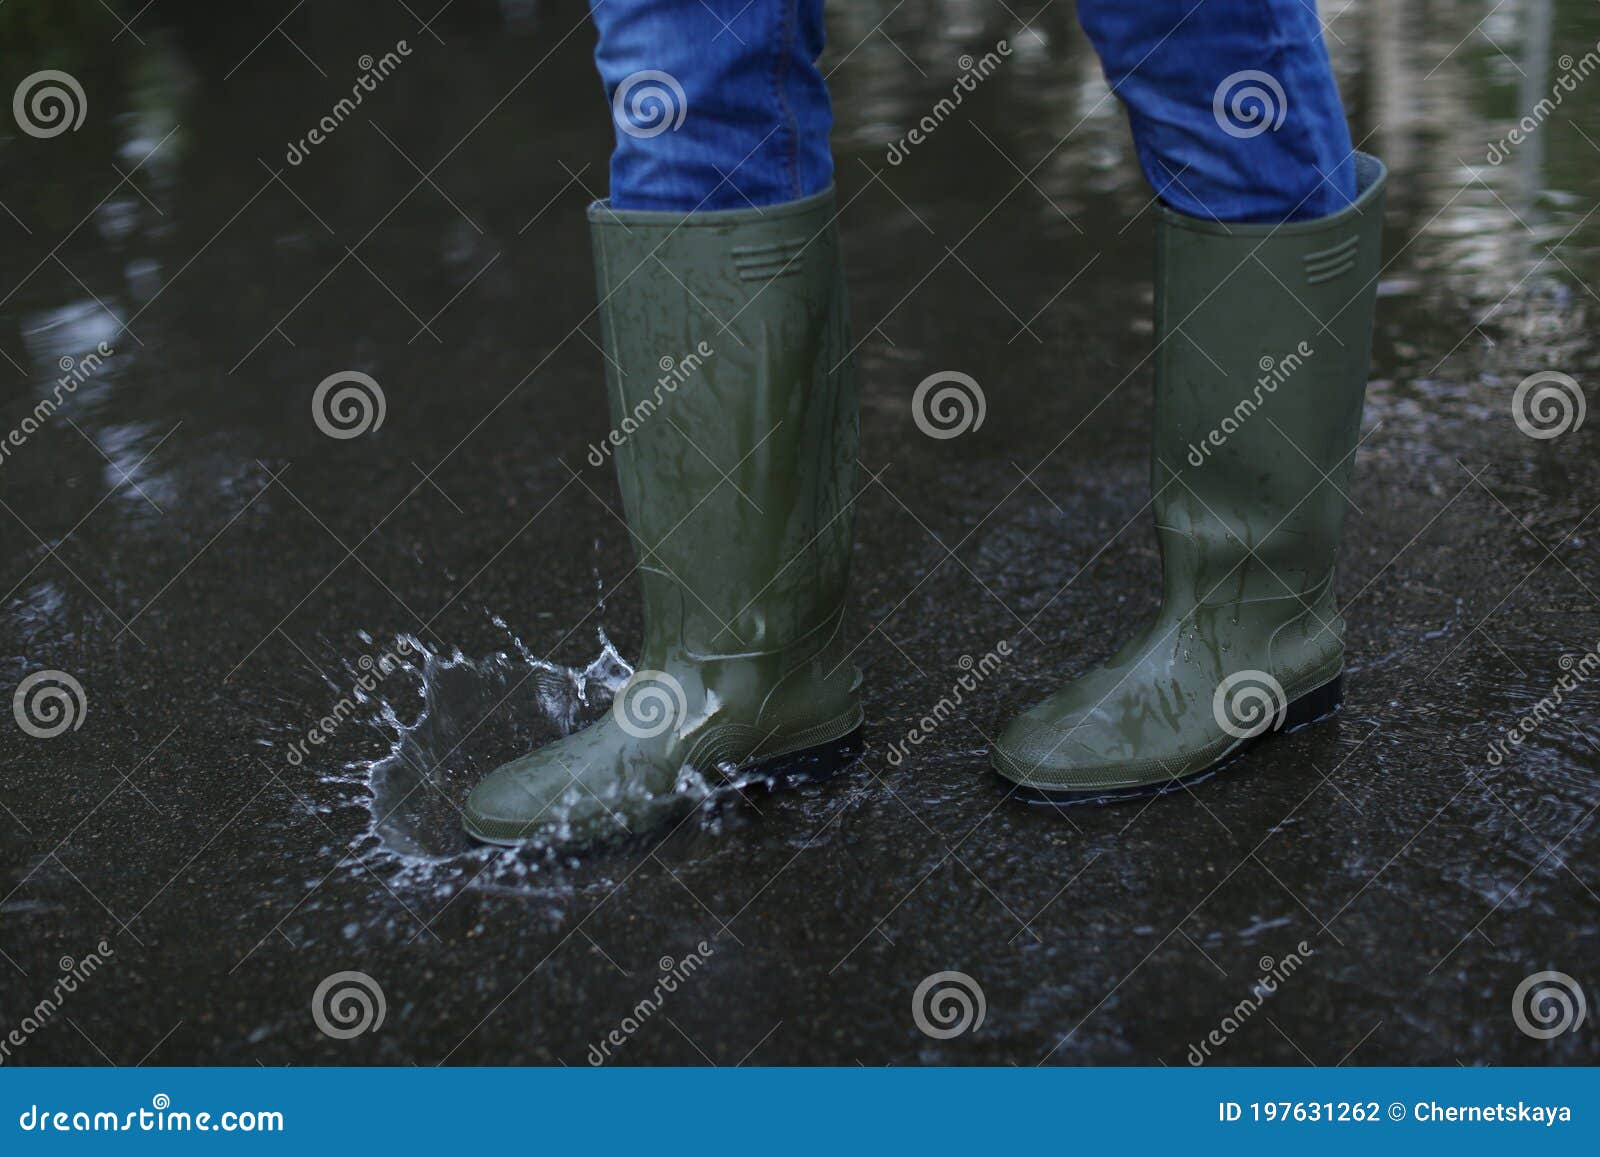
[[450, 719]]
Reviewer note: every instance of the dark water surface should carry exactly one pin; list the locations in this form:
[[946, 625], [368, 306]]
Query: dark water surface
[[217, 574]]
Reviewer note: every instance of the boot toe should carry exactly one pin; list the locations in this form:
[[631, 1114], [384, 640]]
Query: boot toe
[[1058, 746], [586, 787], [544, 797], [519, 802], [1035, 751]]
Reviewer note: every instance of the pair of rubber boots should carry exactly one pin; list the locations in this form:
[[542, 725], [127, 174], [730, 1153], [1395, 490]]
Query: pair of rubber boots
[[734, 403]]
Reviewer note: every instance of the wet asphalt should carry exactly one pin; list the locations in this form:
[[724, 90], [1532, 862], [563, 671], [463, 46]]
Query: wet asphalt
[[213, 570]]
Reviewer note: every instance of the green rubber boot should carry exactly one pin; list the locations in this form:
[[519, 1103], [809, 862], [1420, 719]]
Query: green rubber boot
[[1263, 338], [733, 398]]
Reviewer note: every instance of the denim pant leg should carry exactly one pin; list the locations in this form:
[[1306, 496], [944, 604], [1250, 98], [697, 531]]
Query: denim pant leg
[[718, 104], [1233, 105]]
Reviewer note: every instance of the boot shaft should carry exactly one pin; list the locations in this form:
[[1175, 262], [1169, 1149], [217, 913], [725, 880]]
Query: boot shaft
[[1264, 340], [735, 434]]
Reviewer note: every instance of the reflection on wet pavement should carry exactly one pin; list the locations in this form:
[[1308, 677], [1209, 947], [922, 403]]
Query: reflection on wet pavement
[[224, 581]]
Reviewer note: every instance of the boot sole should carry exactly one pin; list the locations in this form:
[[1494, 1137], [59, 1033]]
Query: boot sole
[[786, 772], [796, 769], [1312, 707]]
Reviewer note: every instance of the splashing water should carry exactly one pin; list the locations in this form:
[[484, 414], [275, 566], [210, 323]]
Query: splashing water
[[449, 720], [474, 715]]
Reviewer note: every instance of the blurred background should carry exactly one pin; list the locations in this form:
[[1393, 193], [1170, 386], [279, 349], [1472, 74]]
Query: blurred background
[[216, 574]]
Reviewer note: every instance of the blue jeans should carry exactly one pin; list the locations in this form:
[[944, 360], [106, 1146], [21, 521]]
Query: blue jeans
[[719, 104]]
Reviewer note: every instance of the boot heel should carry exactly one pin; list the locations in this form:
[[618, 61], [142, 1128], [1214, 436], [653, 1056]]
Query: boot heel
[[811, 765], [1314, 706]]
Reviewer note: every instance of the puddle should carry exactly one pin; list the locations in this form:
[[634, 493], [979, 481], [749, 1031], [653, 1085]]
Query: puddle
[[449, 720]]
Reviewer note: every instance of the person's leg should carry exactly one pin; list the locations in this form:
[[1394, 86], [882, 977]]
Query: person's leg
[[1267, 257], [1233, 106], [734, 425], [718, 104]]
